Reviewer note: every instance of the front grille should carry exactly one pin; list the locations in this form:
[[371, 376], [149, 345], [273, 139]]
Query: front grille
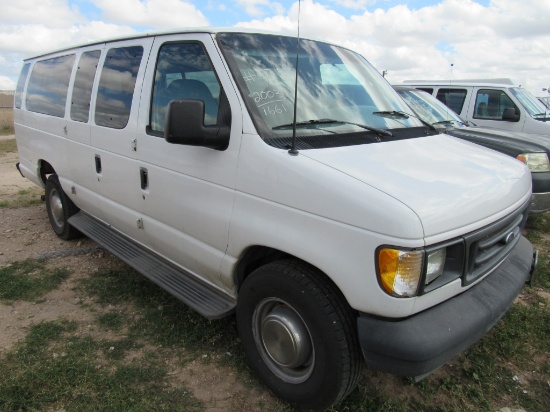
[[488, 247]]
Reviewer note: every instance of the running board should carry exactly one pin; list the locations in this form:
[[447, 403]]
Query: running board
[[198, 295]]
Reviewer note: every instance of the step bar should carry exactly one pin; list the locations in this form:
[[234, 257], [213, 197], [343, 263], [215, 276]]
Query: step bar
[[198, 295]]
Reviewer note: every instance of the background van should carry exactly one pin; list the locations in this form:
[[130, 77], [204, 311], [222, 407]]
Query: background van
[[497, 103]]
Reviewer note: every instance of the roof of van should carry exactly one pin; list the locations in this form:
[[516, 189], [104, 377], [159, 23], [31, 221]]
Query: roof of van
[[504, 81], [211, 30]]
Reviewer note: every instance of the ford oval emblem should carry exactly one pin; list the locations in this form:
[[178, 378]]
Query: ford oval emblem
[[509, 237]]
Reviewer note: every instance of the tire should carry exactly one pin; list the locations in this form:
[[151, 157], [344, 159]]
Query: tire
[[299, 334], [60, 208]]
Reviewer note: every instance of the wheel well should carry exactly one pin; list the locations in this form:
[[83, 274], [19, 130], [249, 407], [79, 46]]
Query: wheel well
[[45, 170], [253, 258], [257, 256]]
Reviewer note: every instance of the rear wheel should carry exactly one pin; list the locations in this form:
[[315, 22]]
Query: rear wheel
[[299, 334], [60, 208]]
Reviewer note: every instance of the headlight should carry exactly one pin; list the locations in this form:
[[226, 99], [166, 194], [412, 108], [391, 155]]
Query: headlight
[[536, 162], [436, 262], [400, 272]]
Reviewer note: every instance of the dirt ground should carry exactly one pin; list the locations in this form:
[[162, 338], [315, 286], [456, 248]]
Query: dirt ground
[[25, 233]]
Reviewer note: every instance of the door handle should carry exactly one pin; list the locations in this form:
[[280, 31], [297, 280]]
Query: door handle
[[98, 164], [143, 177]]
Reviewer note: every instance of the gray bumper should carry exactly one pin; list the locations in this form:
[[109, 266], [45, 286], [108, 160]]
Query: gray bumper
[[420, 344], [540, 202]]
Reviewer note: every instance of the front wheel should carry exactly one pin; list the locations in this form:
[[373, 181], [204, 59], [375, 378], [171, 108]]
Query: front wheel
[[60, 208], [299, 334]]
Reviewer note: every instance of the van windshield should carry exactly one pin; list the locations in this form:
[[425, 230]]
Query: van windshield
[[431, 110], [339, 93], [533, 106]]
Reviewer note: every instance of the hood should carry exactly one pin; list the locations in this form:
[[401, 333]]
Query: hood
[[511, 143], [450, 184]]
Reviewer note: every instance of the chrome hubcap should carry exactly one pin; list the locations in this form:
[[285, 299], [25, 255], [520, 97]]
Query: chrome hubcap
[[56, 208], [283, 340]]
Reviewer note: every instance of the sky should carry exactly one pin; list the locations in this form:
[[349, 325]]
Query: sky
[[419, 39]]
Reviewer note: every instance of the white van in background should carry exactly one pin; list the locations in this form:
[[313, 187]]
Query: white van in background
[[338, 229], [497, 103]]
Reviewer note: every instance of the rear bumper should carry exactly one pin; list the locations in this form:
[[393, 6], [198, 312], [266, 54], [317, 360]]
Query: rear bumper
[[19, 169], [420, 344]]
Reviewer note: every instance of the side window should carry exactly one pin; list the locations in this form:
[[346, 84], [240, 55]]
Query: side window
[[82, 90], [426, 89], [490, 104], [48, 85], [21, 85], [184, 71], [453, 98], [116, 86]]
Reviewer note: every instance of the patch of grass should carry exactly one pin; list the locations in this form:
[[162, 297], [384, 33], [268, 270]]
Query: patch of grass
[[539, 222], [542, 275], [161, 318], [28, 280], [53, 369], [368, 397], [23, 198], [491, 374], [6, 130], [8, 146], [112, 320], [533, 236]]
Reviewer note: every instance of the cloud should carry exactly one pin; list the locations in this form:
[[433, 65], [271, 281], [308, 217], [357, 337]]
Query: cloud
[[505, 39], [257, 8], [355, 4], [157, 14], [6, 83], [56, 12]]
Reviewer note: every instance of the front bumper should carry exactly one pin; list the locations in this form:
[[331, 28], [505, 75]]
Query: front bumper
[[540, 202], [421, 343], [541, 192]]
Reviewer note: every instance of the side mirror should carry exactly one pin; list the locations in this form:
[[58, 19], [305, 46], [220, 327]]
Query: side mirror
[[184, 125], [510, 114]]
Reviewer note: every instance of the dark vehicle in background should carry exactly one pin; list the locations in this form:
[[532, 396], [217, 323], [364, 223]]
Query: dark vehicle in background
[[533, 150]]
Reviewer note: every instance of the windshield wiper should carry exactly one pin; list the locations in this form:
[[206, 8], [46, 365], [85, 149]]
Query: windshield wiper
[[381, 132], [393, 114], [444, 122]]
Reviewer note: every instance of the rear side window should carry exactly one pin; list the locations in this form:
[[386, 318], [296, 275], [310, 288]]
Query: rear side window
[[453, 98], [21, 85], [116, 86], [490, 104], [48, 85], [82, 90]]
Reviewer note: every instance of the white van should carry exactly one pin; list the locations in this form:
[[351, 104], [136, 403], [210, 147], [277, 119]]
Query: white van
[[353, 229], [497, 103]]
